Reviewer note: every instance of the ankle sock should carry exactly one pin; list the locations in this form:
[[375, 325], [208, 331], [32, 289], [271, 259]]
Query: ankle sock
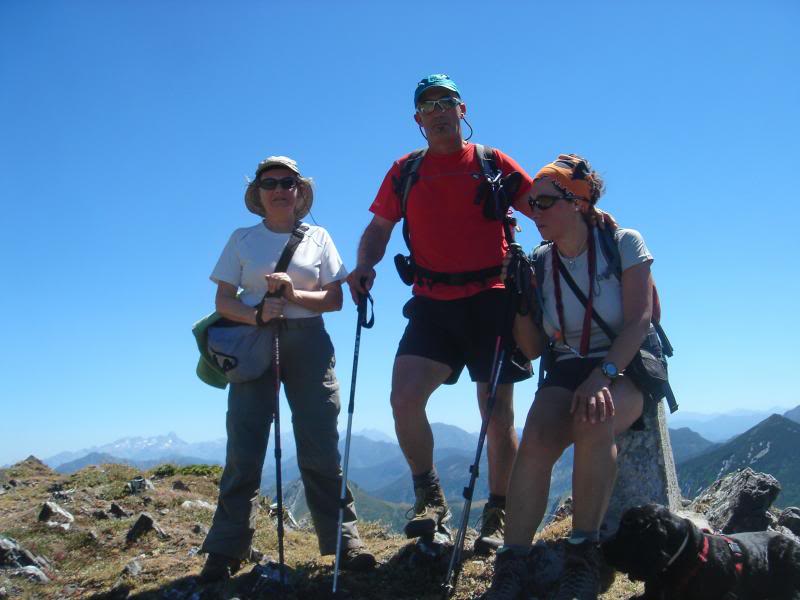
[[427, 479], [579, 536], [515, 550], [497, 501]]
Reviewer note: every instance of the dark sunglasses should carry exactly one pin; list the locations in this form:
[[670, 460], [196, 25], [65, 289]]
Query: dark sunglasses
[[270, 183], [545, 202], [446, 103]]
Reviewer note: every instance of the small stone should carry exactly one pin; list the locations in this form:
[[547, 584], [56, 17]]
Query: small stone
[[142, 525], [100, 515], [118, 511], [199, 529], [193, 551], [53, 513], [31, 573], [180, 486], [132, 569], [3, 593], [163, 511]]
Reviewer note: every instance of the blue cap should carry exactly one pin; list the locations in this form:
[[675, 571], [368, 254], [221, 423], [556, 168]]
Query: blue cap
[[435, 80]]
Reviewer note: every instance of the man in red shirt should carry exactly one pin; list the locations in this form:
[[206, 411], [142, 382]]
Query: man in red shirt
[[458, 303]]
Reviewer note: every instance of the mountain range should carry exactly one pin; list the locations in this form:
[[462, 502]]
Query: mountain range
[[382, 483]]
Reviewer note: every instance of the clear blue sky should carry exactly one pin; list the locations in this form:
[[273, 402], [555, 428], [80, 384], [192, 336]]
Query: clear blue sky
[[126, 130]]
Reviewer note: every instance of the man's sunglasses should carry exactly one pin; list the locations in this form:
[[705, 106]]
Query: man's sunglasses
[[428, 106], [545, 202], [270, 183]]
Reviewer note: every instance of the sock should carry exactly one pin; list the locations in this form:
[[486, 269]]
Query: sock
[[427, 479], [515, 550], [497, 501], [579, 536]]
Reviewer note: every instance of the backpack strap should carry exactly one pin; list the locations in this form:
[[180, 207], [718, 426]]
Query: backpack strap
[[298, 233], [610, 249], [538, 261], [487, 161], [402, 186]]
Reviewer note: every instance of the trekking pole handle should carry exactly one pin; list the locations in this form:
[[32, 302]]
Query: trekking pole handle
[[362, 308]]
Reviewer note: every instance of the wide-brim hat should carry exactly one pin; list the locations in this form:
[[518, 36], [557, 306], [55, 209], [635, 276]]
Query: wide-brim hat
[[252, 199]]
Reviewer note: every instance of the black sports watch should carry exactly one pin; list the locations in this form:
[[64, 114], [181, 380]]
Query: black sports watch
[[610, 370]]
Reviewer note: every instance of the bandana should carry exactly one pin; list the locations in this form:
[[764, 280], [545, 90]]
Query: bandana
[[571, 174]]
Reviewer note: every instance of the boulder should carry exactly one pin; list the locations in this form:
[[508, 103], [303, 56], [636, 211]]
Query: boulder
[[30, 573], [739, 502], [144, 524], [201, 504], [180, 486], [14, 556], [100, 515], [117, 511], [645, 470], [53, 513], [132, 569], [790, 518], [138, 485]]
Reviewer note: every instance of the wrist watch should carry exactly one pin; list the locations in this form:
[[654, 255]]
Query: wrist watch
[[610, 370]]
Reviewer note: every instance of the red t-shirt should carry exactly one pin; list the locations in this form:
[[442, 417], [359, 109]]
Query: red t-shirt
[[448, 231]]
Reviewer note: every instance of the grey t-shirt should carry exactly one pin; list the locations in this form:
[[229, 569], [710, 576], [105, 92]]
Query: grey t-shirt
[[607, 293]]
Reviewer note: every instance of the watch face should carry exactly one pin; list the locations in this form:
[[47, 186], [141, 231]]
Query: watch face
[[610, 370]]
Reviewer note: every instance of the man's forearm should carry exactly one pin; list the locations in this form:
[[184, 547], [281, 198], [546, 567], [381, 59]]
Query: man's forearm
[[372, 246]]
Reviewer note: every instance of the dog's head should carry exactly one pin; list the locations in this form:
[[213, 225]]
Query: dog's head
[[648, 536]]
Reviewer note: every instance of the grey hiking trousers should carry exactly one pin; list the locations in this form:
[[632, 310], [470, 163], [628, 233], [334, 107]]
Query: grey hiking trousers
[[306, 366]]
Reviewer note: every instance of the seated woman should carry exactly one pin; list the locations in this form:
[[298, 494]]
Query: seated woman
[[311, 286], [586, 399]]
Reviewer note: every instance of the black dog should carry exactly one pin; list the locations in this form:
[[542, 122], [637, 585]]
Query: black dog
[[678, 561]]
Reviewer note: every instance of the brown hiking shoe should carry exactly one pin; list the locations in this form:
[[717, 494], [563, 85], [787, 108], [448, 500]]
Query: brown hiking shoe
[[219, 567], [357, 559], [509, 581], [493, 528], [430, 512], [580, 579]]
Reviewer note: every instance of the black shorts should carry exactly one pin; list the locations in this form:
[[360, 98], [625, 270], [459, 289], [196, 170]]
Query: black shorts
[[570, 372], [462, 332]]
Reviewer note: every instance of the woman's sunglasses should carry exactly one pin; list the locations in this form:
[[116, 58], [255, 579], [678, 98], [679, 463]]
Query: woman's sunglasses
[[270, 183], [545, 202]]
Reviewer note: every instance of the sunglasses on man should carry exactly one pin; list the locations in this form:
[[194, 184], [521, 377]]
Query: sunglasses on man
[[270, 183], [426, 107]]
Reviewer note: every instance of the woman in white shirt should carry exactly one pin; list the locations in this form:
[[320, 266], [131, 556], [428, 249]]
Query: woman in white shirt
[[311, 286], [586, 399]]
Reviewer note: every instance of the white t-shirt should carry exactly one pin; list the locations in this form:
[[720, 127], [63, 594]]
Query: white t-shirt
[[607, 293], [252, 252]]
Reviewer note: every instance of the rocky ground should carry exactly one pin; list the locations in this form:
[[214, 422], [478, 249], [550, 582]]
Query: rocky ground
[[85, 536]]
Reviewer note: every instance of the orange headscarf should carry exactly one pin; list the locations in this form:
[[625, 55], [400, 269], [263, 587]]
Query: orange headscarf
[[572, 174]]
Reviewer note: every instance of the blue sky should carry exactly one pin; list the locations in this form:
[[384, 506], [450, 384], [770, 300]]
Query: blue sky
[[127, 128]]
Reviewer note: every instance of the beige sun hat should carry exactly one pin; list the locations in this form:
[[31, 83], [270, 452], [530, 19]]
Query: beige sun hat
[[305, 191]]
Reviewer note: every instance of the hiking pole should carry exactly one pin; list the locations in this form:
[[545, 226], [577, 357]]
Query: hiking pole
[[361, 321], [276, 415], [454, 568]]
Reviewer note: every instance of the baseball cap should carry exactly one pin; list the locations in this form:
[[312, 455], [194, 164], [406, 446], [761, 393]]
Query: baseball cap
[[436, 80]]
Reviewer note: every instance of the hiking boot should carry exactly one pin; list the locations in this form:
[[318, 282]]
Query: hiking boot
[[219, 567], [509, 581], [430, 512], [493, 528], [580, 579], [357, 559]]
